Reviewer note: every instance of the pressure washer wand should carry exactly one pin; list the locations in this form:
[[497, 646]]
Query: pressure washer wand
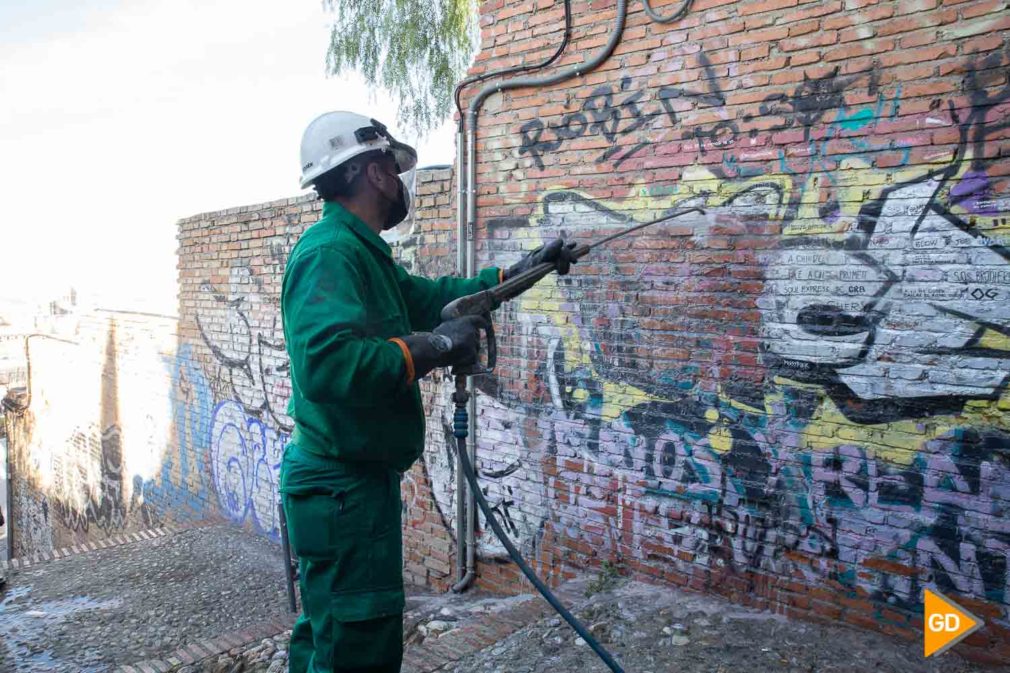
[[518, 284], [485, 301]]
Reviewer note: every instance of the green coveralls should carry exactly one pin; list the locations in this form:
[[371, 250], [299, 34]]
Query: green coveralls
[[358, 425]]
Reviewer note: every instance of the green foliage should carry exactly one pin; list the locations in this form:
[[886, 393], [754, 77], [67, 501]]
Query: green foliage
[[609, 574], [415, 49]]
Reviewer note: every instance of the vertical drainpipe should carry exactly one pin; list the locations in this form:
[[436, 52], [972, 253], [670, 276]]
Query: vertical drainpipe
[[470, 189], [466, 232], [471, 270], [466, 515], [465, 573], [465, 569]]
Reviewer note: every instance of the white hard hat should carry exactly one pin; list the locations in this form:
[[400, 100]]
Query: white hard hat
[[334, 138]]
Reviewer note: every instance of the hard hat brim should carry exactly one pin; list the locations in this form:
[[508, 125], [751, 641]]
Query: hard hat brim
[[335, 138]]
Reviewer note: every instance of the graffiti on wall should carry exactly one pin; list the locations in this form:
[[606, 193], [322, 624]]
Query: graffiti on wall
[[181, 487], [245, 463], [905, 304], [249, 425], [825, 399], [81, 499], [87, 440], [242, 329], [509, 469], [86, 472], [709, 480], [609, 112]]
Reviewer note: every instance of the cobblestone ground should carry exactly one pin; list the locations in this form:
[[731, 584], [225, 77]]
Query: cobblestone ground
[[212, 600], [426, 618], [91, 611]]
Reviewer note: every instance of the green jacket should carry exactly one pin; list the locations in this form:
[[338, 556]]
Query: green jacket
[[342, 299]]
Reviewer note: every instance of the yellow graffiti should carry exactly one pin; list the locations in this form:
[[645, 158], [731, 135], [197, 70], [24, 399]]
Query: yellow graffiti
[[720, 439], [854, 183]]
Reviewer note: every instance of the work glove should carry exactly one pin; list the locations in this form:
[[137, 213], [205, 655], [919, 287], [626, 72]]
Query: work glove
[[556, 252], [454, 342]]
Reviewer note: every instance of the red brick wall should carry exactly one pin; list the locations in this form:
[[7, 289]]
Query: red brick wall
[[799, 399], [230, 383]]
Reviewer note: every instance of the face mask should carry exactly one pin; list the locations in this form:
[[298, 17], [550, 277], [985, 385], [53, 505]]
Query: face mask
[[400, 208]]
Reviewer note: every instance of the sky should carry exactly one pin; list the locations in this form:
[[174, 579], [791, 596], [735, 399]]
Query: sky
[[122, 117]]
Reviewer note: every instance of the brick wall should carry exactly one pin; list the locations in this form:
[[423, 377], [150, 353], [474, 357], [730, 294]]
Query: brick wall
[[799, 399], [235, 386], [91, 437], [130, 421], [230, 269]]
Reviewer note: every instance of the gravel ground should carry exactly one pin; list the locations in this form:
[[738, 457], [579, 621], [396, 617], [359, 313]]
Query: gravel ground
[[648, 630], [651, 630], [115, 606]]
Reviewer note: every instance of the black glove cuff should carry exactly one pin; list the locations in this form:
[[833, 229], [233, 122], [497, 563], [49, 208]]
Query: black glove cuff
[[426, 351]]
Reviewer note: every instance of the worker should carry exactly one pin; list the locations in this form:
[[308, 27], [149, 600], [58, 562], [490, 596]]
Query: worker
[[360, 332]]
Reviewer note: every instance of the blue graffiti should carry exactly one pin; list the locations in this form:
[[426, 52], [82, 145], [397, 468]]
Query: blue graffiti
[[182, 488], [823, 157], [245, 462]]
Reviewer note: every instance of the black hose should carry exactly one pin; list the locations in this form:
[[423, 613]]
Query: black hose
[[519, 68], [659, 18], [460, 423]]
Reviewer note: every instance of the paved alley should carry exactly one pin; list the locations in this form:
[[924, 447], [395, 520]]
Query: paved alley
[[212, 600], [94, 610]]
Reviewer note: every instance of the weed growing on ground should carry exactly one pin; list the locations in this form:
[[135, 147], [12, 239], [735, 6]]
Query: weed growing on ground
[[605, 580]]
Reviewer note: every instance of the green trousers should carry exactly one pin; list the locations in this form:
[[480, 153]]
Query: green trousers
[[344, 526]]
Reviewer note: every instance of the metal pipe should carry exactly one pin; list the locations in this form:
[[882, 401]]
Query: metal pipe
[[467, 182], [675, 15], [469, 247], [464, 572], [471, 504], [468, 185], [562, 75], [519, 68], [460, 199]]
